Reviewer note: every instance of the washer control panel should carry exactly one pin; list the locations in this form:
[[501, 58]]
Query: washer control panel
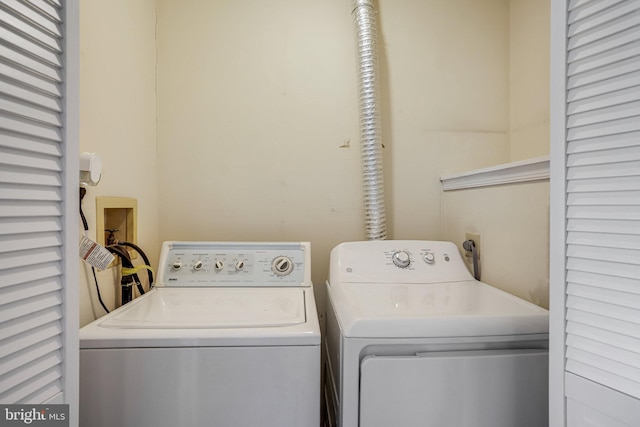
[[250, 264], [399, 261]]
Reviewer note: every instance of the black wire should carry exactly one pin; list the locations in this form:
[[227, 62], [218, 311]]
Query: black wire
[[98, 289], [83, 192]]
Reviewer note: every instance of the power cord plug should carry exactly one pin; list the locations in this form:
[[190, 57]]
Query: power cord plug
[[470, 246]]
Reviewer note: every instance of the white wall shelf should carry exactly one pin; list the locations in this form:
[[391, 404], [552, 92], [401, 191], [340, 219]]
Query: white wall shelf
[[535, 169]]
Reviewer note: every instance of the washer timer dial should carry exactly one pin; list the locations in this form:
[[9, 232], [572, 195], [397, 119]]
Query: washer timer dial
[[282, 266], [401, 259]]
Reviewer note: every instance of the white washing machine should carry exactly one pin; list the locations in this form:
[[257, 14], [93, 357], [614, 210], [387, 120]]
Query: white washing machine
[[413, 340], [229, 337]]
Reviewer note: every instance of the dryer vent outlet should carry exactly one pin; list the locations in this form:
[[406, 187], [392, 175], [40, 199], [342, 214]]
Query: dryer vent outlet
[[476, 239]]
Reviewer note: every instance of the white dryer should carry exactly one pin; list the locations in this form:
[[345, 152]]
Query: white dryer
[[228, 338], [412, 339]]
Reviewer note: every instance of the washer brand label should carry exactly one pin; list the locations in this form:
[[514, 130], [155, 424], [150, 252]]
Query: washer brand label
[[37, 415]]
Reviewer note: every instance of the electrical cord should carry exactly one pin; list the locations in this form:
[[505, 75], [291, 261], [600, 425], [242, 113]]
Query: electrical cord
[[93, 269], [85, 225], [470, 245], [83, 192]]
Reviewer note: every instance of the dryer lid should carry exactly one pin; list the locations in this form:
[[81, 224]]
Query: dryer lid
[[212, 308], [455, 309]]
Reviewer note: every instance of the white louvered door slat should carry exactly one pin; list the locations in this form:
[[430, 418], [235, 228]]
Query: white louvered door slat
[[19, 59], [15, 328], [33, 145], [601, 199]]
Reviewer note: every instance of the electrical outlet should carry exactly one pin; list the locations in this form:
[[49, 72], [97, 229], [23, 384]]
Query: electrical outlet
[[476, 239]]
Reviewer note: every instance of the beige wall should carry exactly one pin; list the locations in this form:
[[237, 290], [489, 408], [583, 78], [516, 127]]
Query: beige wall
[[257, 101], [257, 126], [445, 82], [513, 220], [117, 120], [529, 64]]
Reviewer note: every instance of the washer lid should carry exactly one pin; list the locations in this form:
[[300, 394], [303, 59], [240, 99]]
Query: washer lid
[[211, 308], [455, 309], [209, 317]]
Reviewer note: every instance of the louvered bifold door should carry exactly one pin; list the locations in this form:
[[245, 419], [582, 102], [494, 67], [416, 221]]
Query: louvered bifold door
[[603, 194], [31, 205]]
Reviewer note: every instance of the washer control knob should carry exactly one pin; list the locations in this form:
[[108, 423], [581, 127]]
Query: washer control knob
[[176, 265], [198, 265], [401, 259], [219, 265], [429, 257], [240, 265], [282, 266]]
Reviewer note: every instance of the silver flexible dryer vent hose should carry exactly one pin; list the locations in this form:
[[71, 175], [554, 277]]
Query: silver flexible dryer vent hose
[[370, 134]]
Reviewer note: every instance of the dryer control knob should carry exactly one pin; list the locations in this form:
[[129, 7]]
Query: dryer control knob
[[401, 259], [198, 265], [240, 265], [219, 265], [176, 265], [282, 266], [429, 257]]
